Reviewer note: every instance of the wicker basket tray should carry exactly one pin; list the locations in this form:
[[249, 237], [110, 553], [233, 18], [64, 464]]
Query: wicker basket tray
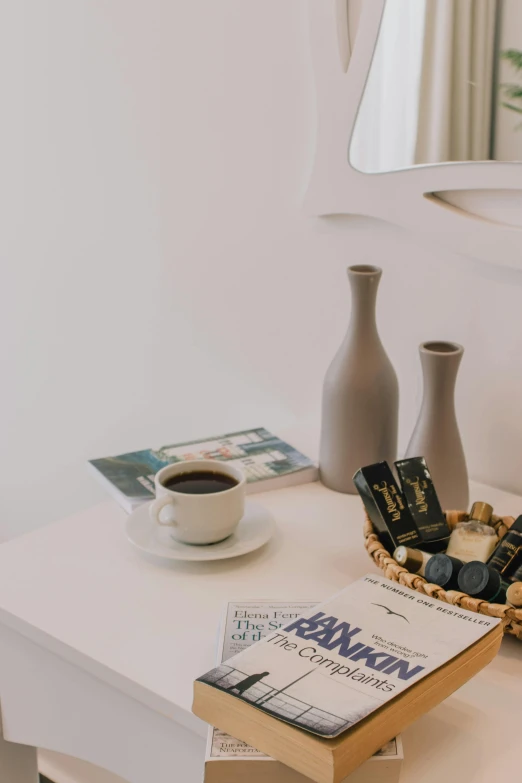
[[512, 618]]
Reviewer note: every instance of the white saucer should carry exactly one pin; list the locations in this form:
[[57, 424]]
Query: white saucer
[[254, 530]]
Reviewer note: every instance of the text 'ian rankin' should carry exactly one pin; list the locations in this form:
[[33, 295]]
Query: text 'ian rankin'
[[330, 634]]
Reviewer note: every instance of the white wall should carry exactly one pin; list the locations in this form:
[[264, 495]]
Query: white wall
[[159, 279]]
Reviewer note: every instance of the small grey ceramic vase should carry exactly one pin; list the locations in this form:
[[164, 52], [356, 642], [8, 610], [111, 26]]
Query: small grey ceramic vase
[[436, 435], [360, 407]]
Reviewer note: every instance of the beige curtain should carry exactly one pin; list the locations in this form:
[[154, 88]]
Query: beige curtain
[[455, 108]]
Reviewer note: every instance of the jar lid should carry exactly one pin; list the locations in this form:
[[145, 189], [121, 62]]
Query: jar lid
[[479, 580], [514, 594], [443, 570], [481, 512]]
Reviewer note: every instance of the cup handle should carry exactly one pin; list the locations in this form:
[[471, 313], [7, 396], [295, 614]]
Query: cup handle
[[157, 506]]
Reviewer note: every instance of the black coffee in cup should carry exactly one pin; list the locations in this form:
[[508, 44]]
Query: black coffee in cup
[[200, 482]]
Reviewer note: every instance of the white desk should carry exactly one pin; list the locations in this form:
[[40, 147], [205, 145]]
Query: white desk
[[99, 647]]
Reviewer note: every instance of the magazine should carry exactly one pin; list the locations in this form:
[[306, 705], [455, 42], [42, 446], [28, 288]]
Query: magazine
[[267, 461]]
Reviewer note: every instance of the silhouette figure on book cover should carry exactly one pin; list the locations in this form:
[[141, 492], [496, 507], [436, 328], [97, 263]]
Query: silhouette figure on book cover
[[244, 685]]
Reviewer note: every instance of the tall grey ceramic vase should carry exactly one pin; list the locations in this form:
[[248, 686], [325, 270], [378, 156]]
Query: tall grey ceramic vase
[[360, 407], [436, 435]]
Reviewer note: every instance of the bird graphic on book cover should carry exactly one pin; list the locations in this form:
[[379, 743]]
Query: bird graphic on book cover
[[244, 685], [390, 611]]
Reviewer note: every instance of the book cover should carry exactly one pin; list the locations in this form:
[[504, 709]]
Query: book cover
[[245, 623], [346, 658], [267, 461]]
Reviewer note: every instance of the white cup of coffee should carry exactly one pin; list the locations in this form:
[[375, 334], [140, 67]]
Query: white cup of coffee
[[201, 501]]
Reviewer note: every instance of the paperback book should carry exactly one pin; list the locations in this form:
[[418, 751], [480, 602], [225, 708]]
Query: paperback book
[[267, 461], [328, 689], [229, 760]]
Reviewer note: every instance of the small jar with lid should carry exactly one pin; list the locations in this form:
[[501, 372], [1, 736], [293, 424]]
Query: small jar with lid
[[474, 539], [414, 560], [480, 581], [443, 570], [514, 595]]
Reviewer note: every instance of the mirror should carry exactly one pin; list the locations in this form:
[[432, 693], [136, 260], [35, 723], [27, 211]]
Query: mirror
[[444, 85]]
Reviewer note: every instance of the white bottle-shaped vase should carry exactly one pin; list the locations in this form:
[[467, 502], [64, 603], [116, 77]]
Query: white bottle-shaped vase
[[436, 435], [360, 407]]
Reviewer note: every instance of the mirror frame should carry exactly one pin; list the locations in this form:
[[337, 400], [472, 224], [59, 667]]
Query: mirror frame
[[478, 211]]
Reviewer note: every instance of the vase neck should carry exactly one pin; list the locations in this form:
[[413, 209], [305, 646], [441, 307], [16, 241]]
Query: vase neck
[[440, 365], [364, 282]]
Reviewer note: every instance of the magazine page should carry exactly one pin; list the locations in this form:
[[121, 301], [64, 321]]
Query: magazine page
[[347, 657]]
